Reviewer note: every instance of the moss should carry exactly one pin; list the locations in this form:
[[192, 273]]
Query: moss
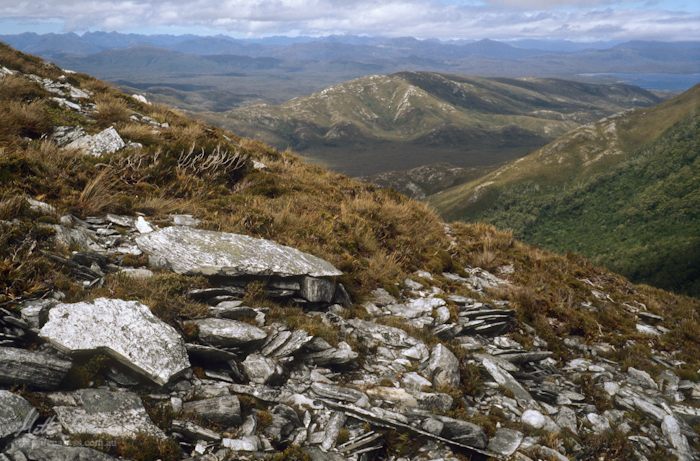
[[264, 418], [291, 454], [611, 444], [141, 447], [88, 372]]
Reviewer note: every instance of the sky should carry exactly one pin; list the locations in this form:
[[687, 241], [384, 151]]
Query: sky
[[577, 20]]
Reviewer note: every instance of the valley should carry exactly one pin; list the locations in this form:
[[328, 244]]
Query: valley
[[622, 191], [409, 119]]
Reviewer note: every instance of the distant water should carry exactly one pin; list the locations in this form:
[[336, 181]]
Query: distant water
[[671, 82]]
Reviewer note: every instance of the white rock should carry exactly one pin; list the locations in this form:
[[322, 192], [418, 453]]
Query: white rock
[[194, 251], [533, 419], [140, 98], [599, 423], [126, 330], [103, 412], [505, 379], [143, 226], [16, 414], [248, 443], [104, 142], [226, 333], [444, 367], [137, 273], [258, 165], [415, 382], [672, 431]]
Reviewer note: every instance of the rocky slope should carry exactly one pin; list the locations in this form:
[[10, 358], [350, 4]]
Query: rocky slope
[[621, 191], [170, 291], [400, 121]]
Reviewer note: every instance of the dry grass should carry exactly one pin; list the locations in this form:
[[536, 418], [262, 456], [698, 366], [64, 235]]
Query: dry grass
[[111, 110], [17, 88], [23, 120], [98, 194], [165, 294]]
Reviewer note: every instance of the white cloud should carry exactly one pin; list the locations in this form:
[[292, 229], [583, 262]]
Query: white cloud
[[499, 19]]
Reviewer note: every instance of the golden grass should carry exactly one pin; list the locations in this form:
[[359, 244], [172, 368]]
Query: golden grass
[[111, 110]]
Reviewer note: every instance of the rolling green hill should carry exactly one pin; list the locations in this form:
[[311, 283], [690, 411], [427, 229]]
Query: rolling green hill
[[624, 192], [404, 120]]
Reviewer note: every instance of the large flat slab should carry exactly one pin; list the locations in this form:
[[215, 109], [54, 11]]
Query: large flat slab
[[126, 330], [194, 251]]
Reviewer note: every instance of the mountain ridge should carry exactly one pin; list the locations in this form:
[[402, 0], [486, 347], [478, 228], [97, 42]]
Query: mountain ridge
[[489, 119], [525, 195]]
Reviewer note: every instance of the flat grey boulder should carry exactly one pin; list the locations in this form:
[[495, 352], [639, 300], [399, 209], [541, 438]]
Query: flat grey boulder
[[224, 410], [193, 251], [31, 447], [104, 142], [126, 330], [39, 370], [16, 414], [505, 441], [103, 412], [444, 367], [227, 333]]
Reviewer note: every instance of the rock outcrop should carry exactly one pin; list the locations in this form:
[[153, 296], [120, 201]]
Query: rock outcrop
[[126, 330]]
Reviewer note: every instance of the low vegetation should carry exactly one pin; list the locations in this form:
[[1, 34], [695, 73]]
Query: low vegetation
[[622, 192]]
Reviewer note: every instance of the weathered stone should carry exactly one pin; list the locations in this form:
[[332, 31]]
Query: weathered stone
[[137, 273], [334, 392], [335, 423], [598, 423], [375, 334], [30, 447], [533, 419], [103, 412], [126, 330], [16, 414], [209, 353], [104, 142], [480, 279], [226, 333], [36, 313], [185, 220], [193, 251], [381, 297], [641, 378], [286, 344], [317, 290], [247, 443], [261, 369], [505, 379], [415, 382], [224, 410], [672, 430], [340, 355], [444, 367], [284, 421], [341, 296], [463, 432], [194, 432], [434, 401], [566, 419], [39, 370], [505, 441]]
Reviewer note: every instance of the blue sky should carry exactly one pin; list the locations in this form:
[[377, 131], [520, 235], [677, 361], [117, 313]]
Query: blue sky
[[577, 20]]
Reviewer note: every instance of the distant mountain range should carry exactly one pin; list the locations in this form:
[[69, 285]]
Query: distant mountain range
[[623, 191], [219, 72], [409, 119]]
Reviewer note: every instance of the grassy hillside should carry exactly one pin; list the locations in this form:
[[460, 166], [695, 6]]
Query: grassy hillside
[[564, 314], [622, 191], [404, 120]]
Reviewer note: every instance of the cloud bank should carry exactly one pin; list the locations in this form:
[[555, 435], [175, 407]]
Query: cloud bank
[[446, 19]]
